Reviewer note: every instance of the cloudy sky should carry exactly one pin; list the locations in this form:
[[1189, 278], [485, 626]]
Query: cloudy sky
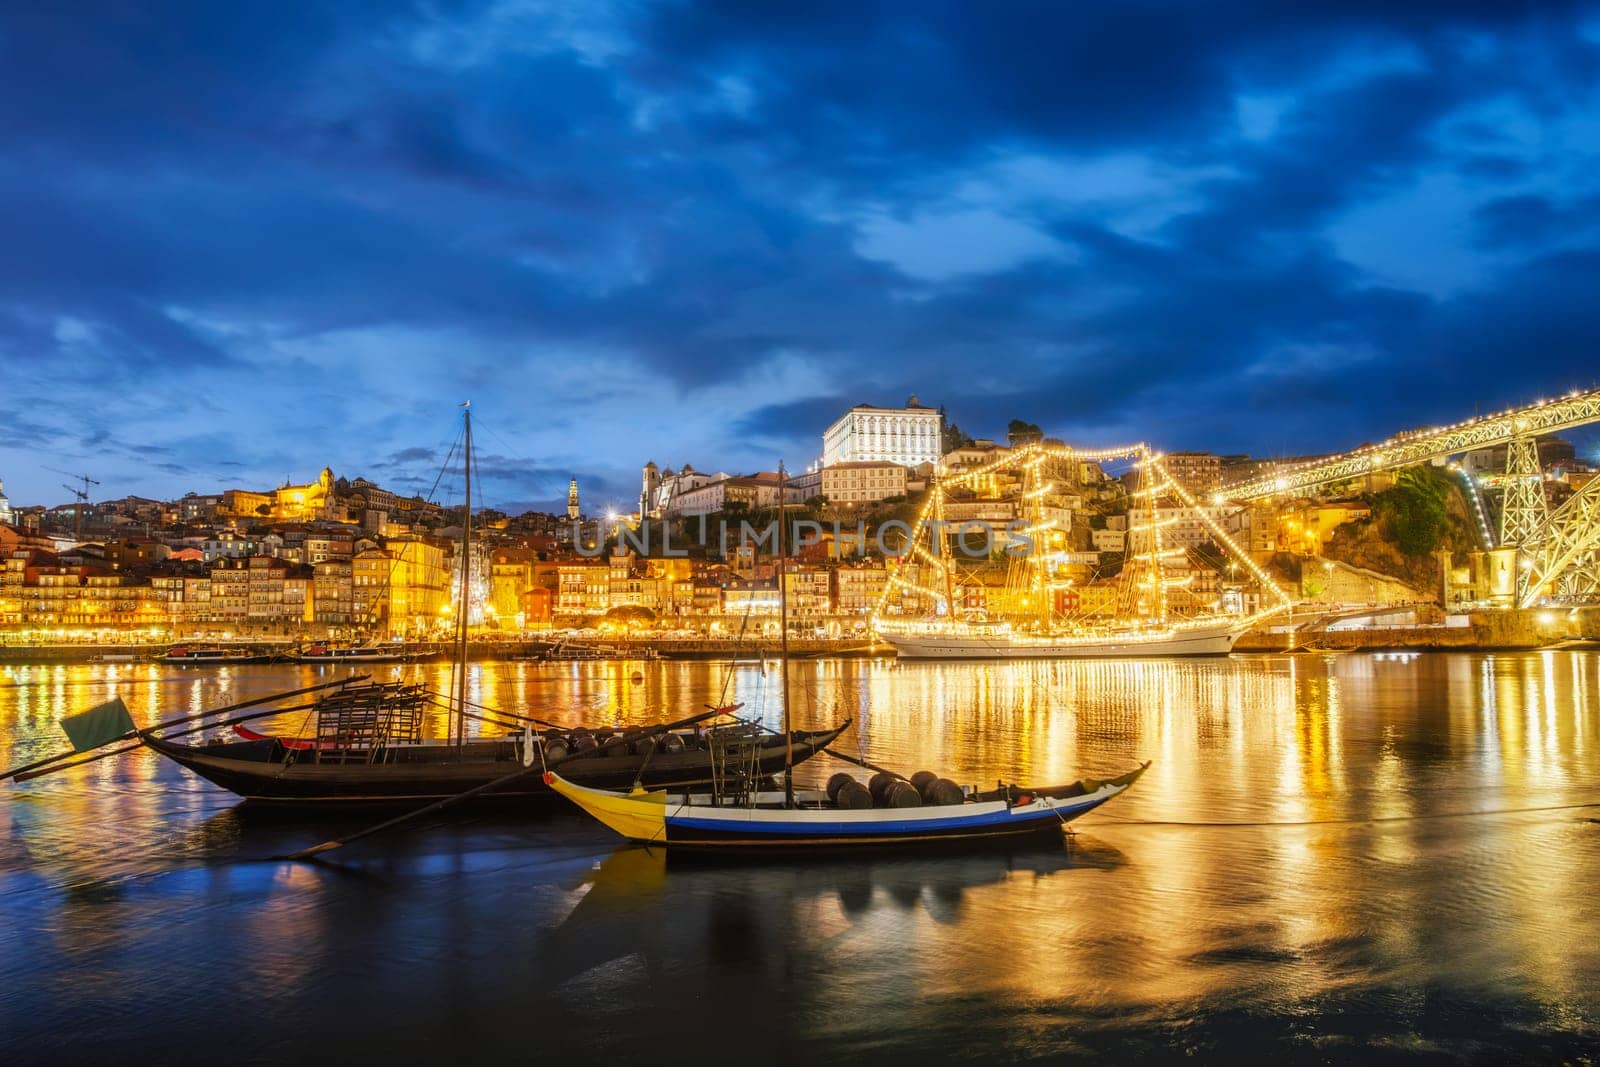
[[240, 241]]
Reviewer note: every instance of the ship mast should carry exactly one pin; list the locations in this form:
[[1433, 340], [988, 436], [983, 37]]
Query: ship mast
[[1040, 543], [464, 604], [946, 559], [783, 646]]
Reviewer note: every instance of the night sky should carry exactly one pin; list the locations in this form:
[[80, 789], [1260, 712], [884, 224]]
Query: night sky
[[242, 241]]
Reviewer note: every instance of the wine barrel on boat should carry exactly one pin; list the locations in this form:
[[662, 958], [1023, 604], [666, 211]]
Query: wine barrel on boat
[[853, 795], [879, 785], [900, 794], [943, 791], [838, 782], [922, 780]]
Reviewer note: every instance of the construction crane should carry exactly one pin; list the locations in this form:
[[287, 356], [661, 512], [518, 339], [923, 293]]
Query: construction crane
[[81, 494]]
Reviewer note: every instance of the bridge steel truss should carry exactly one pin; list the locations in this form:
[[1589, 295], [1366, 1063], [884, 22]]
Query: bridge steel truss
[[1563, 553], [1408, 450], [1560, 550]]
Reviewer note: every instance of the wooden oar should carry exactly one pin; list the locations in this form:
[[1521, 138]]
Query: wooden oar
[[23, 776], [439, 805], [37, 764], [864, 763], [449, 705], [479, 790]]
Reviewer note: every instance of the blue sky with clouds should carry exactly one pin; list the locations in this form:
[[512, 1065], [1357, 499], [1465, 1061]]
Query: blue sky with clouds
[[239, 241]]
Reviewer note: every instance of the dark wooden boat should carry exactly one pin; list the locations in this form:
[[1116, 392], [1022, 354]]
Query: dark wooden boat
[[330, 654], [368, 748], [191, 656]]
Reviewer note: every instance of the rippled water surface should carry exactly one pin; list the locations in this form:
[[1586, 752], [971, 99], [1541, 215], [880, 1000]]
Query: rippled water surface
[[1332, 858]]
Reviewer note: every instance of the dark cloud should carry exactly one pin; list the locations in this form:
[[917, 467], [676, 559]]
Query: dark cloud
[[247, 239]]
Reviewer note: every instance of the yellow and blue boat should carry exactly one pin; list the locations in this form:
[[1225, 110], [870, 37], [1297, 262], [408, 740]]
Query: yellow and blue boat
[[818, 820]]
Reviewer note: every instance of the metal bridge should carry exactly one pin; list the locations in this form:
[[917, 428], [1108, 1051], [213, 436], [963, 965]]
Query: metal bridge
[[1558, 551]]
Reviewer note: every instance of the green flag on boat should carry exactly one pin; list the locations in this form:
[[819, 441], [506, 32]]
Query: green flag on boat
[[98, 726]]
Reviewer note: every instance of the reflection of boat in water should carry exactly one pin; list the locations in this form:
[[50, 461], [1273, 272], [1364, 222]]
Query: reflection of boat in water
[[364, 654], [662, 905], [193, 656]]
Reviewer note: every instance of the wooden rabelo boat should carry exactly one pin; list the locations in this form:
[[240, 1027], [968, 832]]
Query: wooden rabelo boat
[[367, 747], [890, 810], [820, 820]]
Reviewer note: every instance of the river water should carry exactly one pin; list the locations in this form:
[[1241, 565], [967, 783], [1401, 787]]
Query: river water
[[1332, 858]]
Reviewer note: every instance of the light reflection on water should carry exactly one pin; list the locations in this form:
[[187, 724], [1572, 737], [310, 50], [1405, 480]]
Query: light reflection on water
[[1300, 873]]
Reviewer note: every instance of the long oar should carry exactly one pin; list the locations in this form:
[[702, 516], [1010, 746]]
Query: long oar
[[130, 735], [864, 763], [479, 790], [23, 776]]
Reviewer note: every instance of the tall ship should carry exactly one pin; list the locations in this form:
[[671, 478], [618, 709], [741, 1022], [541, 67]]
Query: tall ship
[[994, 569]]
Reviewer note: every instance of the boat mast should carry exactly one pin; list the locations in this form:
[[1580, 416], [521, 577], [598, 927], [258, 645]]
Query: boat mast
[[946, 561], [463, 607], [783, 644], [1039, 541]]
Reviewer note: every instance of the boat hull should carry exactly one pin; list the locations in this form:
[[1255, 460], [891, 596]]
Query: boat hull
[[265, 772], [352, 659], [658, 818], [1215, 640]]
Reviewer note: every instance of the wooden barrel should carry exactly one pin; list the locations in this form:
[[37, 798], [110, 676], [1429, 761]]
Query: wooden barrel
[[922, 780], [879, 783], [853, 795], [671, 743], [944, 791], [556, 750], [838, 782], [583, 742], [901, 795]]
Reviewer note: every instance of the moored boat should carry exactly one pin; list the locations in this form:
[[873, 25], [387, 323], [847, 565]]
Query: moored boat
[[201, 656], [321, 653], [822, 820], [347, 765], [1212, 638]]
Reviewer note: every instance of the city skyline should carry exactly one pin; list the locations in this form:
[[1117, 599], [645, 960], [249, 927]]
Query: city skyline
[[300, 240]]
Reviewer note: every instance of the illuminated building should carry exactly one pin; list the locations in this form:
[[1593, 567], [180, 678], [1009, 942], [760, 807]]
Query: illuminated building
[[419, 589], [1306, 529], [859, 588], [907, 436], [862, 482], [750, 596], [1200, 472], [334, 591], [810, 592], [5, 505], [583, 588], [301, 503]]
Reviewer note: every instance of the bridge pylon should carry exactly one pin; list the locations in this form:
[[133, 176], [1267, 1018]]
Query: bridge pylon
[[1523, 510]]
